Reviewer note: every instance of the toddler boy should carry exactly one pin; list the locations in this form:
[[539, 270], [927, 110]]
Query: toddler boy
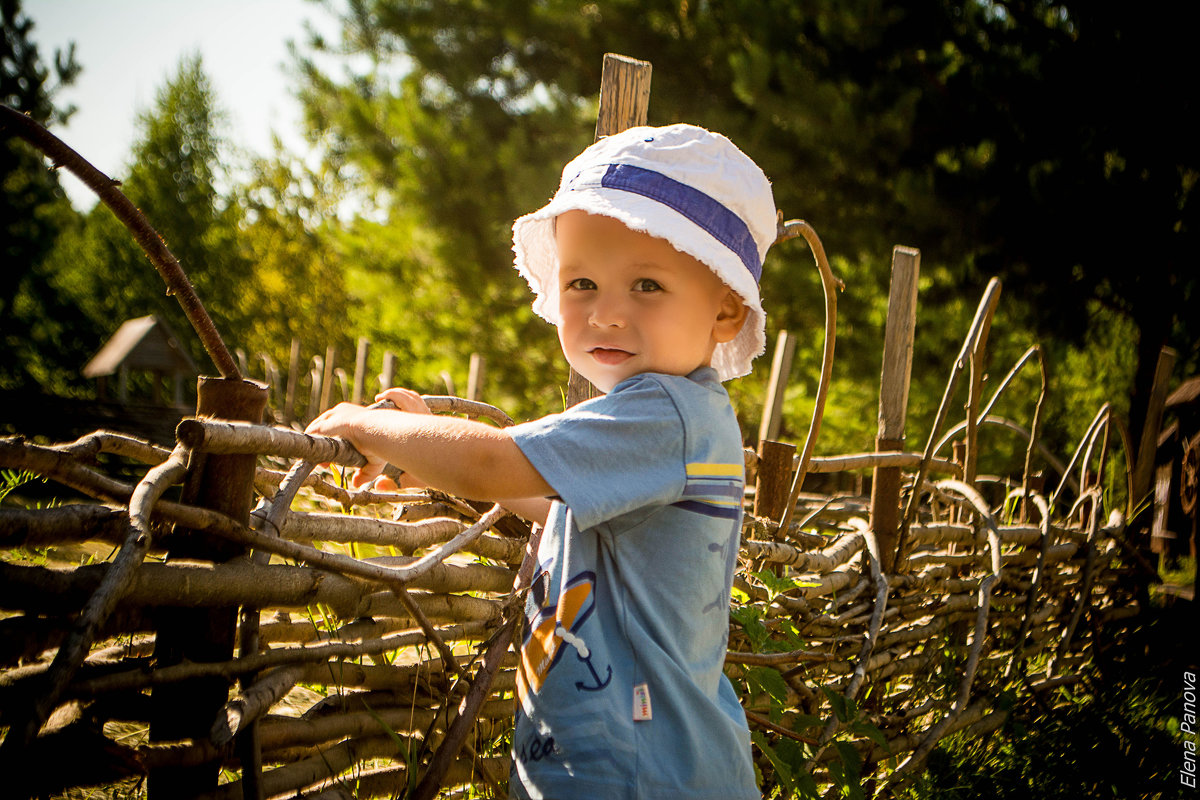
[[647, 260]]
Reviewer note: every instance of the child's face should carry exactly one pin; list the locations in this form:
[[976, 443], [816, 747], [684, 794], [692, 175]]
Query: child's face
[[631, 303]]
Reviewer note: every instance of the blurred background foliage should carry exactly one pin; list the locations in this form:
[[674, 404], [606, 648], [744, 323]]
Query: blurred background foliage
[[1045, 143]]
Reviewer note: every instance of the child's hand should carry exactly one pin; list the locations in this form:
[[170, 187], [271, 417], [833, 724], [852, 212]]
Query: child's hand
[[350, 422], [354, 424], [403, 400]]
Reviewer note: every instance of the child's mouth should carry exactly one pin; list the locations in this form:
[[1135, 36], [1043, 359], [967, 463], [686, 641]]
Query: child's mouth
[[610, 356]]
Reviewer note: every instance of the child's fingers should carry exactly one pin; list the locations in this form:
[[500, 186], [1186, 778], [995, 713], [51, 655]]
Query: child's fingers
[[386, 484], [332, 421], [404, 399], [365, 475]]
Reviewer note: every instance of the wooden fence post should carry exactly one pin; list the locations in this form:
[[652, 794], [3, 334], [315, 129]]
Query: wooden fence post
[[223, 483], [360, 369], [1143, 471], [289, 403], [315, 375], [893, 398], [781, 368], [774, 483], [327, 378], [475, 376], [387, 378], [624, 103]]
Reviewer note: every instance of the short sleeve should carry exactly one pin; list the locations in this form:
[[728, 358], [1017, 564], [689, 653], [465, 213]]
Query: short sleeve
[[610, 455]]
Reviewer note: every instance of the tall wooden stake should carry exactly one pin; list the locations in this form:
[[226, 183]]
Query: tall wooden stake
[[475, 377], [1143, 471], [293, 379], [624, 103], [893, 398], [781, 368], [327, 379], [360, 369]]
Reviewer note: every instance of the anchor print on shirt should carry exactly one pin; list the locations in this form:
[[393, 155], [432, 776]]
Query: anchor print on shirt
[[553, 625], [722, 550]]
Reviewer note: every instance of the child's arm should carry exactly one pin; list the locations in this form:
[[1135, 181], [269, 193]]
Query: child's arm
[[462, 457]]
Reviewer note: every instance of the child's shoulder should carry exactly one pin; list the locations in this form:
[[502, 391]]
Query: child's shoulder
[[697, 396]]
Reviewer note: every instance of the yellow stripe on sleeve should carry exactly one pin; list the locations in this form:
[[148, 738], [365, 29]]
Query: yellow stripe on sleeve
[[715, 470]]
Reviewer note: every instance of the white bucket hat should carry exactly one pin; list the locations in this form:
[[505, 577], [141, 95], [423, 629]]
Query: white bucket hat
[[680, 183]]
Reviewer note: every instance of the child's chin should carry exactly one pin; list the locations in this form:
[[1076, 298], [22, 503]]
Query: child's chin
[[606, 385], [603, 382]]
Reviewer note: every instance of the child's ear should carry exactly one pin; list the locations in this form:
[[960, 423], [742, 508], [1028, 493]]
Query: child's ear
[[731, 316]]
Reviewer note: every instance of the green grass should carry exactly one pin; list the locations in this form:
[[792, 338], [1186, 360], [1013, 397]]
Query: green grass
[[1114, 735]]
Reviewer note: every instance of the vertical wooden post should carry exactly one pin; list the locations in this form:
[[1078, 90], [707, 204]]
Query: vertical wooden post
[[774, 484], [387, 378], [974, 403], [360, 369], [293, 379], [624, 103], [315, 375], [1143, 471], [781, 368], [327, 378], [475, 376], [893, 398], [223, 483], [958, 454]]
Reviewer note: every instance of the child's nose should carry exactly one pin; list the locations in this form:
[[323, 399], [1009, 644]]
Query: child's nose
[[608, 310]]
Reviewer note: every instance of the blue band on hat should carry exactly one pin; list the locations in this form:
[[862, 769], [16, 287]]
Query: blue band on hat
[[725, 226]]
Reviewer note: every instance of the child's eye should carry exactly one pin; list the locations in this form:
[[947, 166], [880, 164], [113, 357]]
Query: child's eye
[[646, 285], [582, 284]]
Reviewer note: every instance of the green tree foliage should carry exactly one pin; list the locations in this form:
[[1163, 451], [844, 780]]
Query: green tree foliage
[[36, 331], [293, 286], [173, 178], [1001, 138]]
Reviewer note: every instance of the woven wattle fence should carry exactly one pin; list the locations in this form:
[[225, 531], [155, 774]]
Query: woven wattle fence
[[382, 617]]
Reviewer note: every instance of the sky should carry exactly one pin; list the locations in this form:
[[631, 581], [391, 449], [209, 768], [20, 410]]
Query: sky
[[129, 49]]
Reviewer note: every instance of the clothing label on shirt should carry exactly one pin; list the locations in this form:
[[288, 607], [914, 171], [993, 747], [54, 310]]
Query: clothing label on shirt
[[641, 702]]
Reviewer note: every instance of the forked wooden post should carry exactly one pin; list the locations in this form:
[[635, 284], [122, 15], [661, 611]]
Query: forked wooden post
[[624, 103], [893, 398]]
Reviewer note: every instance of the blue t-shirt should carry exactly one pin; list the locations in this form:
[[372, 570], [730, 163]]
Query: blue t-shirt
[[620, 688]]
